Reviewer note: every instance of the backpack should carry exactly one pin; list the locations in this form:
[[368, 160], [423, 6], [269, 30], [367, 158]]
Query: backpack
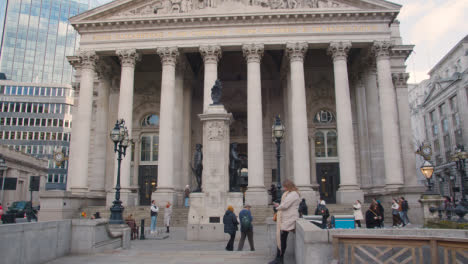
[[245, 223], [404, 206]]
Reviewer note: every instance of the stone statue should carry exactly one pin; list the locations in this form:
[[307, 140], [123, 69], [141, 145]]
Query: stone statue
[[197, 169], [235, 163], [216, 92]]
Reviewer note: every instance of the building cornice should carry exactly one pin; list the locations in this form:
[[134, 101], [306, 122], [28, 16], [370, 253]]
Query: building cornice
[[263, 18]]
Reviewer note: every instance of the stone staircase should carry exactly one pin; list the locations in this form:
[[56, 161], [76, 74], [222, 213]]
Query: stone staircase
[[180, 214]]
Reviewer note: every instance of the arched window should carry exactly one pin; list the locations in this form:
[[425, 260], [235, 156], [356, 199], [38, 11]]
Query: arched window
[[150, 120], [319, 144], [324, 117]]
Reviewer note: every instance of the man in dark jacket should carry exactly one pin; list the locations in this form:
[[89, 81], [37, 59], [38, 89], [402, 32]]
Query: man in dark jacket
[[245, 218], [230, 226], [303, 210], [323, 211]]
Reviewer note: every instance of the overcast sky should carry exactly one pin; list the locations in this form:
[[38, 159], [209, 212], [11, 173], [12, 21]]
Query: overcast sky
[[435, 27]]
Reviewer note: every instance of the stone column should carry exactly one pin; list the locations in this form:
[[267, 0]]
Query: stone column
[[211, 55], [349, 190], [389, 117], [406, 132], [299, 134], [179, 129], [101, 138], [79, 145], [256, 193], [128, 59], [165, 189], [374, 126]]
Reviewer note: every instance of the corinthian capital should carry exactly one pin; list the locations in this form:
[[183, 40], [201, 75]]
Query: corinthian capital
[[128, 57], [253, 52], [400, 79], [381, 49], [210, 53], [168, 55], [88, 59], [339, 50], [296, 51]]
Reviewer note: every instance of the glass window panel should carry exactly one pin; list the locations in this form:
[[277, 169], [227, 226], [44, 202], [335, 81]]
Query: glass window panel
[[319, 144], [155, 148], [145, 148], [332, 148]]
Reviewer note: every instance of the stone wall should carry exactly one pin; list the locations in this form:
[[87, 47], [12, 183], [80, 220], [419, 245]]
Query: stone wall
[[44, 241], [311, 242]]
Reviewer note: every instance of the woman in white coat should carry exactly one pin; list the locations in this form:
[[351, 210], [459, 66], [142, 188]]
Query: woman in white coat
[[167, 215], [357, 213]]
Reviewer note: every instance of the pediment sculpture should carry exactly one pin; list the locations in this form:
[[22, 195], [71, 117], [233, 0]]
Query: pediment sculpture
[[185, 6]]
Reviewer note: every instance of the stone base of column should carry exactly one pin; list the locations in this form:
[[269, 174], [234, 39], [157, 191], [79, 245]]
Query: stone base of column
[[309, 194], [127, 197], [256, 196], [162, 196], [349, 195], [393, 187], [58, 205]]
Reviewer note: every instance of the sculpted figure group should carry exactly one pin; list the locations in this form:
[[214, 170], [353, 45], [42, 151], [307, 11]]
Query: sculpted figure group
[[184, 6]]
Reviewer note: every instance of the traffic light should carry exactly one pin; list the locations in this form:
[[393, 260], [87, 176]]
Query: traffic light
[[34, 183]]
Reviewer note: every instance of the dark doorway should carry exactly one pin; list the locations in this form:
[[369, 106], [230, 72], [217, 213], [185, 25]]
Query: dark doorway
[[148, 181], [328, 178]]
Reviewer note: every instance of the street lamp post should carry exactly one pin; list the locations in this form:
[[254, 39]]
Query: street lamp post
[[119, 136], [3, 168], [427, 169], [278, 135], [459, 158]]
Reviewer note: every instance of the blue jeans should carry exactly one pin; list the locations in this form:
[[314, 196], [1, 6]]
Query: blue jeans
[[186, 202], [153, 223], [404, 217]]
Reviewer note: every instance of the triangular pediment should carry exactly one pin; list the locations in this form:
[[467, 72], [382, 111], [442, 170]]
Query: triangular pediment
[[126, 9]]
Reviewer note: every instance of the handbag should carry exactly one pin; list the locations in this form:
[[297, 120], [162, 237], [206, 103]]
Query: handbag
[[274, 217]]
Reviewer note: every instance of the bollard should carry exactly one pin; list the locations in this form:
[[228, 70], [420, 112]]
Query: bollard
[[142, 232]]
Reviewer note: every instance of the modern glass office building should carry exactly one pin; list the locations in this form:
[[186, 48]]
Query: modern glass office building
[[37, 97]]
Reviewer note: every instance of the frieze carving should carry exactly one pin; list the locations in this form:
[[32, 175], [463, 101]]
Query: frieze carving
[[128, 57], [339, 50], [211, 53], [296, 51], [381, 49], [168, 55], [400, 79], [184, 6], [216, 130], [253, 52], [88, 59]]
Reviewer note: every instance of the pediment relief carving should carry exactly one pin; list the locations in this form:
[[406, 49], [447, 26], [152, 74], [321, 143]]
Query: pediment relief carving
[[164, 7]]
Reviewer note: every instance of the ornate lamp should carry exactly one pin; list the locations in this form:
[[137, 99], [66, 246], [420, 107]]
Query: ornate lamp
[[119, 136], [277, 133], [427, 169]]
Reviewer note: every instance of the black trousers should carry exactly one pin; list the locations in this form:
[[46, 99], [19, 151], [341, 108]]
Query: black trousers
[[230, 244], [284, 240], [249, 235], [358, 222]]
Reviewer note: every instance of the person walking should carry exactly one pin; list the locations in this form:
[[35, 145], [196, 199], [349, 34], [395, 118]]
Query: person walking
[[246, 228], [272, 191], [396, 214], [303, 210], [286, 216], [357, 213], [404, 211], [372, 217], [1, 211], [230, 226], [323, 211], [154, 215], [186, 195], [167, 216]]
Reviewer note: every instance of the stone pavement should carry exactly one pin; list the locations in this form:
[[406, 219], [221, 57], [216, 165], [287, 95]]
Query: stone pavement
[[176, 250]]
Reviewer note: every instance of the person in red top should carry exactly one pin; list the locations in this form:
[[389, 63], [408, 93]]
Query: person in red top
[[1, 212]]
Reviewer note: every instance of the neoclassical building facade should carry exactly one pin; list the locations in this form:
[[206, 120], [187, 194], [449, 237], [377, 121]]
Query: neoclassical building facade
[[333, 70]]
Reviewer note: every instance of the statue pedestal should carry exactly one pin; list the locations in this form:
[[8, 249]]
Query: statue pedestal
[[427, 201], [205, 219]]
